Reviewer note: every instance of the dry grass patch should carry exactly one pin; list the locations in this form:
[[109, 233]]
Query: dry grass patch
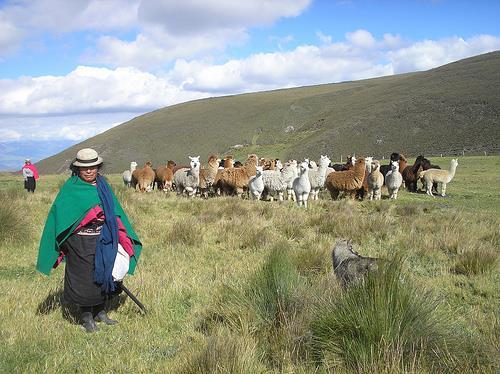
[[476, 261]]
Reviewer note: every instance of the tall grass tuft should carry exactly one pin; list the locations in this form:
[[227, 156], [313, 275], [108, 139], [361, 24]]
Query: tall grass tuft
[[384, 322], [272, 288], [268, 306], [477, 261], [12, 220]]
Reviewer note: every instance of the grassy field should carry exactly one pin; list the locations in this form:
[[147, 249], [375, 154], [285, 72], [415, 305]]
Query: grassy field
[[247, 287]]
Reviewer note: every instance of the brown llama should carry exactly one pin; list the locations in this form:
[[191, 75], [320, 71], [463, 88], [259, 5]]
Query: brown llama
[[269, 165], [145, 177], [207, 176], [235, 180], [228, 162], [165, 176], [410, 174], [348, 181]]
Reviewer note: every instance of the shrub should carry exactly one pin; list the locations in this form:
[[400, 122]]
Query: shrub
[[385, 318]]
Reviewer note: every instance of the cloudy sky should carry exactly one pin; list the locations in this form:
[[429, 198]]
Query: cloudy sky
[[70, 69]]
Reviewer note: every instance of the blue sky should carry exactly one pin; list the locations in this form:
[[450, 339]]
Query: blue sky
[[72, 69]]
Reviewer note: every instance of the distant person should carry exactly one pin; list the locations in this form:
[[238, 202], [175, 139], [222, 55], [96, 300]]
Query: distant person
[[30, 175], [87, 226]]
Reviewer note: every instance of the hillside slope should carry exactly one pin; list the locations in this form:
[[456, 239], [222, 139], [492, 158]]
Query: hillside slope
[[444, 110]]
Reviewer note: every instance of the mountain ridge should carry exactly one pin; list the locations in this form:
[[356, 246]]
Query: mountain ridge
[[448, 109]]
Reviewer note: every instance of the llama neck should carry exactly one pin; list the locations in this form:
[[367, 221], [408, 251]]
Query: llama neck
[[304, 175], [195, 172], [451, 172], [322, 169], [250, 168], [359, 170], [415, 167]]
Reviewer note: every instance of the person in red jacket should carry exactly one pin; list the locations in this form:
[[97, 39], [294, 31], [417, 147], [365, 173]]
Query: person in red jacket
[[30, 175]]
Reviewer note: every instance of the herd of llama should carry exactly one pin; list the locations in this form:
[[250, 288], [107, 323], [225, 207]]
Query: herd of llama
[[269, 179]]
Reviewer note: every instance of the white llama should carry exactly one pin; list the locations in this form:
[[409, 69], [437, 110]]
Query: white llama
[[302, 185], [393, 180], [317, 176], [444, 177], [127, 174], [256, 184]]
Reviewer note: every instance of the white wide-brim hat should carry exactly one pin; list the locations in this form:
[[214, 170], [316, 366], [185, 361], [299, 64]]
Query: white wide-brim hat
[[87, 157]]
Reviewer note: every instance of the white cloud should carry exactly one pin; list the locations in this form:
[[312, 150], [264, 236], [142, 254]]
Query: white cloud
[[89, 89], [154, 48], [10, 36], [66, 16], [361, 38], [165, 30], [76, 127], [97, 90], [200, 16], [326, 39], [392, 41], [9, 135], [429, 54], [173, 29]]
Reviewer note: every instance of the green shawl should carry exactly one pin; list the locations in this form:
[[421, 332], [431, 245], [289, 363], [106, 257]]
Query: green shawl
[[71, 205]]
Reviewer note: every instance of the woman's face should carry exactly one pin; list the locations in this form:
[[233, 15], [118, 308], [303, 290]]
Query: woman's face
[[88, 174]]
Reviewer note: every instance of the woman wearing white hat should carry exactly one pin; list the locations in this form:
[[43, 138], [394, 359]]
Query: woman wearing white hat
[[87, 226]]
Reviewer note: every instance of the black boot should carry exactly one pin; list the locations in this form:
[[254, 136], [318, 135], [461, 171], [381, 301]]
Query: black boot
[[88, 322], [102, 316]]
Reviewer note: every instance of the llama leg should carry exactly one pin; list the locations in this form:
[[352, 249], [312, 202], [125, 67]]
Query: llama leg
[[280, 196], [443, 189], [334, 194], [306, 196], [429, 188], [239, 191]]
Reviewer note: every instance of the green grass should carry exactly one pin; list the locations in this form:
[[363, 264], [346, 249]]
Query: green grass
[[246, 286]]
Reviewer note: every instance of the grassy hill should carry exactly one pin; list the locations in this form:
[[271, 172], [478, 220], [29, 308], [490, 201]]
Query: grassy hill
[[241, 286], [446, 110]]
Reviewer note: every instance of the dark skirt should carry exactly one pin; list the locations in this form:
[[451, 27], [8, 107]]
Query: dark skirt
[[79, 285], [30, 184]]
